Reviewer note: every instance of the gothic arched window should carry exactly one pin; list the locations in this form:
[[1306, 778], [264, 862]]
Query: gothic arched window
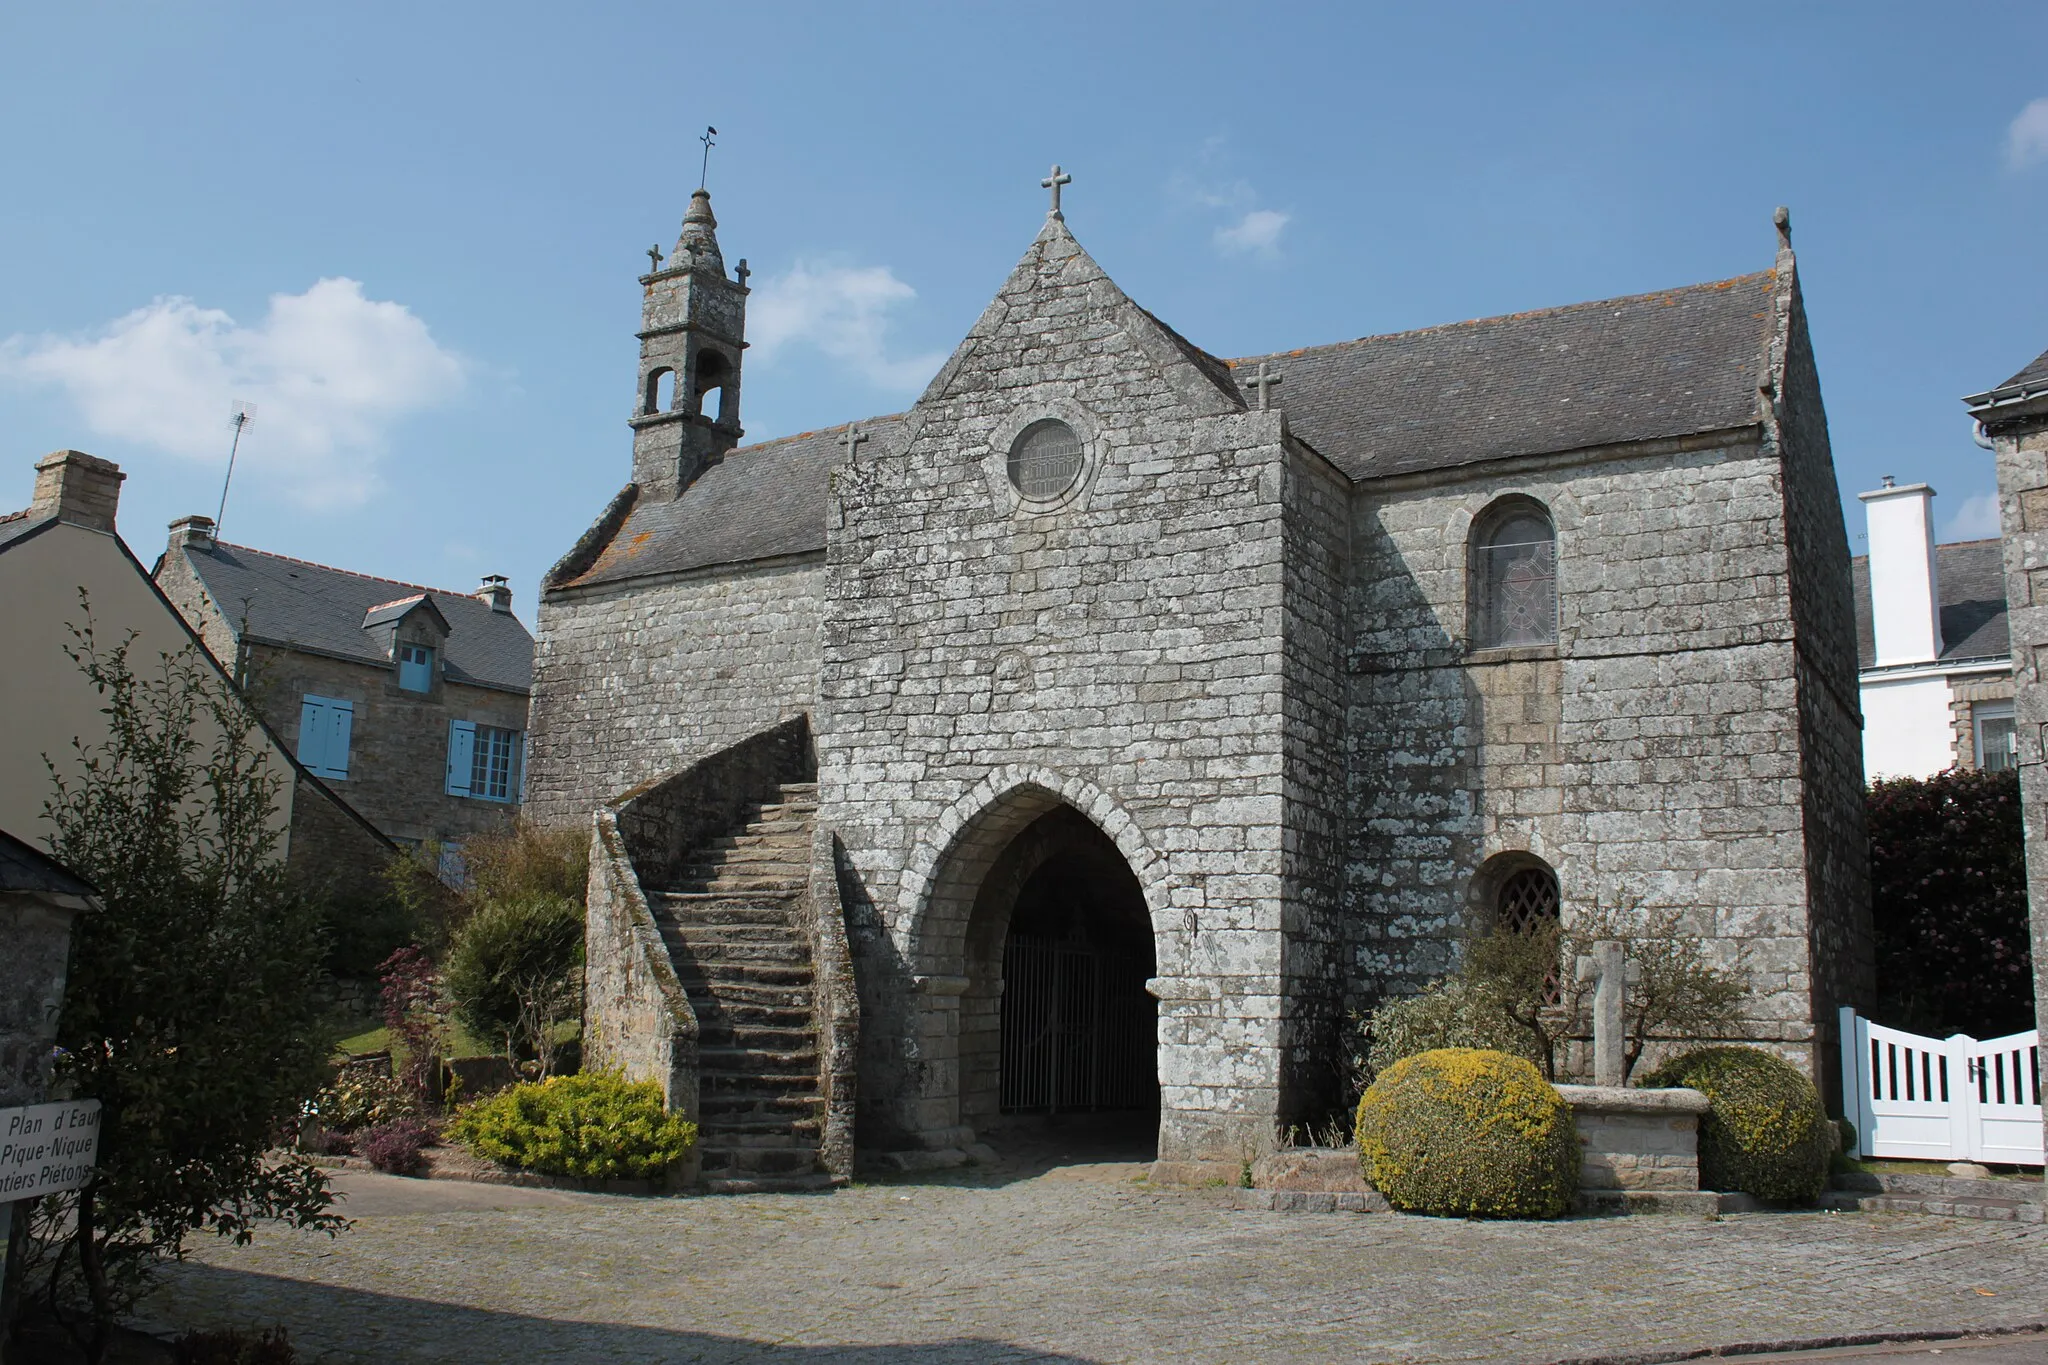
[[1514, 577]]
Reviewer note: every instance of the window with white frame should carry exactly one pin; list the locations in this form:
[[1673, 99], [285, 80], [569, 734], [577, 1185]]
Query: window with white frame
[[416, 668], [1998, 737], [325, 726], [483, 761]]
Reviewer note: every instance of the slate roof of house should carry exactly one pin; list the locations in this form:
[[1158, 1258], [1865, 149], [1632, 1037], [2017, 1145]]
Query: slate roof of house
[[297, 604], [15, 525], [1672, 363], [1970, 579], [26, 868]]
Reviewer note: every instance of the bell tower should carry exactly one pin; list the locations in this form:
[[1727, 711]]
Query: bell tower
[[693, 324]]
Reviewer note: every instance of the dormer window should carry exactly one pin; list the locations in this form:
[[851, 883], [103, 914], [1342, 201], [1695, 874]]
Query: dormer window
[[416, 668]]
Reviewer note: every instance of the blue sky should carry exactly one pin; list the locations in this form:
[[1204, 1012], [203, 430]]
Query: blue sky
[[410, 233]]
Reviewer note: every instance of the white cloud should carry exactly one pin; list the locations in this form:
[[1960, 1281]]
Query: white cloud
[[844, 312], [1255, 234], [1975, 519], [2026, 142], [329, 372]]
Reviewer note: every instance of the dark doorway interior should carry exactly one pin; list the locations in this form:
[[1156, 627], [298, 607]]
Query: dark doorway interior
[[1079, 1030]]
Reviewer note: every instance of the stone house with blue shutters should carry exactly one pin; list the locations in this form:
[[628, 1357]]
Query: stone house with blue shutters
[[409, 701], [1092, 737]]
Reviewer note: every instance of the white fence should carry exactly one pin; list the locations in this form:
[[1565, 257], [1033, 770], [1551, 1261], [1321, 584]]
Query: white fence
[[1935, 1099]]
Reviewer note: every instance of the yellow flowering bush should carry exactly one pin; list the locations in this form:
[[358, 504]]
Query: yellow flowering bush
[[1765, 1131], [592, 1127], [1469, 1133]]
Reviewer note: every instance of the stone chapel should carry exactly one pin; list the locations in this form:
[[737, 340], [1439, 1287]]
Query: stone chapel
[[1093, 736]]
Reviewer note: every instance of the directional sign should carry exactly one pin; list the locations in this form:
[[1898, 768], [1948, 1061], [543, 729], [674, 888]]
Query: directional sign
[[47, 1147]]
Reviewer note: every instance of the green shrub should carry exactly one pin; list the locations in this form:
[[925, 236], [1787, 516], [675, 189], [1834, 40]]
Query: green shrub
[[360, 1098], [1452, 1012], [1468, 1132], [595, 1127], [1764, 1132], [512, 969]]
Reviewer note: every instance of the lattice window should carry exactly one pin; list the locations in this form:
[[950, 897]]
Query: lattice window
[[1045, 460], [1516, 575], [1528, 898]]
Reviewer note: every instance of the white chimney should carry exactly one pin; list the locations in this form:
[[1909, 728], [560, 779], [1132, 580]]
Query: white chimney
[[1905, 604]]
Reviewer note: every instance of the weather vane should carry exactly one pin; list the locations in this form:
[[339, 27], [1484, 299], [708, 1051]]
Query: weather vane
[[704, 171], [239, 418]]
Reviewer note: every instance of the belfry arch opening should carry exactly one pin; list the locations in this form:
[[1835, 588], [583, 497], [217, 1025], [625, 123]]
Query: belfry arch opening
[[1056, 1024]]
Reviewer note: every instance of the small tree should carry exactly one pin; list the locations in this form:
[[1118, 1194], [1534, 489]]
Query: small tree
[[514, 971], [1514, 991], [1948, 900], [190, 1012]]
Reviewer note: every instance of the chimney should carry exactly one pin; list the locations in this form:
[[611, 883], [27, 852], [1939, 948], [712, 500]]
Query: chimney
[[192, 533], [1905, 602], [496, 592], [79, 488]]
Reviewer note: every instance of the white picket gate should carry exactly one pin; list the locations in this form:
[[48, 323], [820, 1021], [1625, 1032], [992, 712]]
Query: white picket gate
[[1935, 1099]]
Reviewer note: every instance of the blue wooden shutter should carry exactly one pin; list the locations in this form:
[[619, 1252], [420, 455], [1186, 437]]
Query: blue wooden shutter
[[341, 724], [461, 755], [313, 733]]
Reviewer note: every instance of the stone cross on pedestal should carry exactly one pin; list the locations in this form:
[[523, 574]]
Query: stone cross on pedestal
[[654, 257], [1053, 183], [854, 436], [1609, 971], [1264, 381], [743, 272]]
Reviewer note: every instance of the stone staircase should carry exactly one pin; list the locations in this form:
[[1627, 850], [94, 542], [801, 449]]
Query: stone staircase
[[731, 920]]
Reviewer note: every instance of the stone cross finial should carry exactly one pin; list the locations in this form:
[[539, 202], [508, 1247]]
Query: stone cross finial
[[743, 272], [1053, 183], [654, 259], [854, 436], [1264, 381], [1610, 971]]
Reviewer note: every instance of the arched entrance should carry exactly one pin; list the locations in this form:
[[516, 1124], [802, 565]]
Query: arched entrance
[[1054, 1020]]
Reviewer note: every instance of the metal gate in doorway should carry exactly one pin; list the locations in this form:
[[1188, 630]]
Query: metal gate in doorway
[[1079, 1029]]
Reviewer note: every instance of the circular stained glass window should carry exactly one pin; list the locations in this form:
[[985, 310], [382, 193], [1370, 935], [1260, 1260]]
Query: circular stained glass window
[[1045, 460]]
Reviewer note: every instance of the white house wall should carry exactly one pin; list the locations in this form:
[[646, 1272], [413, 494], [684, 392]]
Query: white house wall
[[1907, 727]]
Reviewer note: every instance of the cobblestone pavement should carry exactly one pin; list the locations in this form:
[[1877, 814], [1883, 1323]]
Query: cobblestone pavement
[[1081, 1263]]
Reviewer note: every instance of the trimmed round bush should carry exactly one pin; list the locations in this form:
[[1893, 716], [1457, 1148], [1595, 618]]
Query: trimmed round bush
[[592, 1127], [1765, 1132], [1469, 1133]]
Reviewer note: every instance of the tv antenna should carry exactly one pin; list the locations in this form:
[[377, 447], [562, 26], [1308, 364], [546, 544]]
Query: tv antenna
[[244, 413], [704, 171]]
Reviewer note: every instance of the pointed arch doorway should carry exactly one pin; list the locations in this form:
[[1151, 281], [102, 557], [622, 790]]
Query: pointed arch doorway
[[1056, 1025]]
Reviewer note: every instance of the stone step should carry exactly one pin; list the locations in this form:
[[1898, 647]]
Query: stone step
[[787, 1184], [714, 1033], [775, 1130], [721, 912], [758, 872], [684, 906], [742, 1108], [734, 852], [740, 1162], [764, 953], [694, 932], [723, 974], [789, 836], [792, 1011], [759, 1061], [729, 883]]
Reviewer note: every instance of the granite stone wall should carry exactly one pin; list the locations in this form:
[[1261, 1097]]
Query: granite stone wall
[[636, 681], [1118, 652], [1652, 753]]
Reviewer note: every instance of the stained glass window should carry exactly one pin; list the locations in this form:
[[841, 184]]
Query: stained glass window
[[1517, 579], [1045, 460]]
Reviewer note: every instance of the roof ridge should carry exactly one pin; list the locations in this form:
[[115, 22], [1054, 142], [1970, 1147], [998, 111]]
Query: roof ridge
[[820, 431], [1980, 540], [1556, 310], [352, 573]]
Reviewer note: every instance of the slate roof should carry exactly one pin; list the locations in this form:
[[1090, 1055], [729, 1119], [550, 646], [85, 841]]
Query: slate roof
[[1633, 369], [759, 502], [2035, 373], [301, 605], [15, 525], [1970, 578], [1673, 363], [26, 868]]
